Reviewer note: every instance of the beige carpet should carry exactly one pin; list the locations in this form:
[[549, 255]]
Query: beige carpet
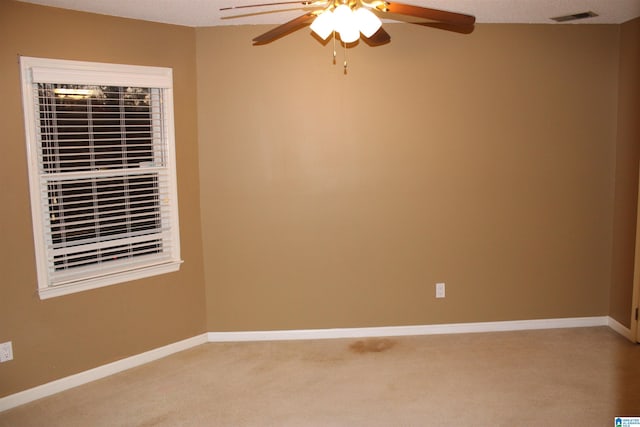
[[577, 377]]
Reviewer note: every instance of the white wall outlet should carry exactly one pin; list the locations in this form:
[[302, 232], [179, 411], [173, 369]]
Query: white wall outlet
[[6, 352], [439, 290]]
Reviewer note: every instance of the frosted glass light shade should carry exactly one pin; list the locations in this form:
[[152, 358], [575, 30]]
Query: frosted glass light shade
[[323, 25], [343, 17], [367, 22], [349, 34], [345, 23]]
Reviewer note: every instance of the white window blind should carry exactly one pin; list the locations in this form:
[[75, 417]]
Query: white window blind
[[102, 172]]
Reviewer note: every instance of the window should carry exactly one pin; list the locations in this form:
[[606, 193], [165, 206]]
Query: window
[[100, 145]]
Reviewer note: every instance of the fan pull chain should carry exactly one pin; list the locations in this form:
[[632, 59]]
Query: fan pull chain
[[335, 53], [345, 59], [334, 48]]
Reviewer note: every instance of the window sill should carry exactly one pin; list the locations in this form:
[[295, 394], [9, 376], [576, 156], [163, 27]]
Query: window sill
[[111, 279]]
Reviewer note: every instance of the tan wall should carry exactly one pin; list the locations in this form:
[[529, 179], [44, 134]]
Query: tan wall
[[485, 161], [61, 336], [626, 175]]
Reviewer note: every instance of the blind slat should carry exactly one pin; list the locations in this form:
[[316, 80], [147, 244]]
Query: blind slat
[[113, 243], [102, 243]]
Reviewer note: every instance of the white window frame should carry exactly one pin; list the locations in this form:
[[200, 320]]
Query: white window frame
[[44, 70]]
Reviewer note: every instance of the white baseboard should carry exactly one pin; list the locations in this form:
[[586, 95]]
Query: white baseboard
[[66, 383], [619, 328], [389, 331]]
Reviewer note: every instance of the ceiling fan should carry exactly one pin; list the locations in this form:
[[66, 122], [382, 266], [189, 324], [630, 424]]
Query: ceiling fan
[[349, 18]]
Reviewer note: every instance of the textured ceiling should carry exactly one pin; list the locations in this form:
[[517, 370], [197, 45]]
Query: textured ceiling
[[199, 13]]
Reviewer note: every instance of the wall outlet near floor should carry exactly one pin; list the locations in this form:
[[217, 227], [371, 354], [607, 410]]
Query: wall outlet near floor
[[439, 290], [6, 352]]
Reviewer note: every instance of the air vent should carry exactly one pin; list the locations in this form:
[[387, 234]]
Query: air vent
[[575, 16]]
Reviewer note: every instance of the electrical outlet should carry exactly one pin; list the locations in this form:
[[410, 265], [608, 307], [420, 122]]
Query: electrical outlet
[[6, 352], [439, 290]]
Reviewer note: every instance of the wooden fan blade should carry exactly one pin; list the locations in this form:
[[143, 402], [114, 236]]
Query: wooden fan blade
[[278, 3], [284, 29], [426, 13], [380, 37]]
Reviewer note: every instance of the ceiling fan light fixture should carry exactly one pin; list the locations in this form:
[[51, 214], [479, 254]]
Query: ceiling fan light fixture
[[368, 22], [323, 25]]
